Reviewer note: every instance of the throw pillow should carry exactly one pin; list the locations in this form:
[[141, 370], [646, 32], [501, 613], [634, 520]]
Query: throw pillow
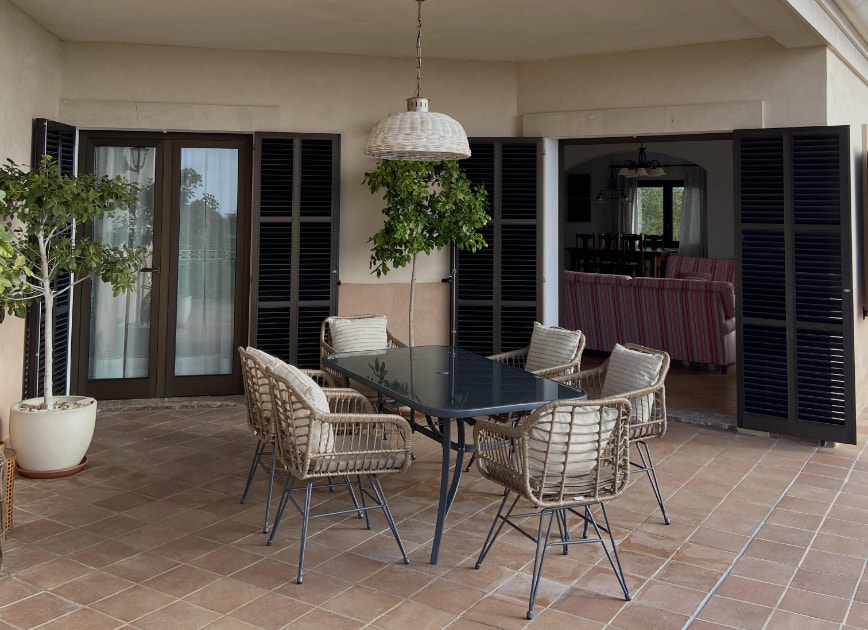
[[320, 434], [629, 370], [358, 334], [566, 442], [551, 346], [695, 275], [263, 357]]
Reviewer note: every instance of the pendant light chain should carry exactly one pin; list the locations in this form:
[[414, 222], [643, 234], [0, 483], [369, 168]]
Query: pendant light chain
[[419, 50]]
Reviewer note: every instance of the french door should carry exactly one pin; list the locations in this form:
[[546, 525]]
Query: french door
[[177, 334]]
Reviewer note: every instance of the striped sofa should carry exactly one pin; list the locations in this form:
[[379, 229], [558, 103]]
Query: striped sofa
[[690, 317]]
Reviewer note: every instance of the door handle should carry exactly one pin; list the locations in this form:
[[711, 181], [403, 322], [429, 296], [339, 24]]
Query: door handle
[[149, 270]]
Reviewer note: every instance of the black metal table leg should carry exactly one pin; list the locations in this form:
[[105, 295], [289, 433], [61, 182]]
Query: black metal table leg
[[448, 488], [443, 506]]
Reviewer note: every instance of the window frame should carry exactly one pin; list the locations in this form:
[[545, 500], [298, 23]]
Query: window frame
[[669, 240]]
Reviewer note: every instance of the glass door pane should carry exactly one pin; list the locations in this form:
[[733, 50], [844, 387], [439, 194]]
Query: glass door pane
[[120, 326], [205, 303]]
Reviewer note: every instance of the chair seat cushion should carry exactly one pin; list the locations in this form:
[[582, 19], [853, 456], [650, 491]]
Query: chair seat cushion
[[628, 370], [358, 334], [551, 346], [319, 433], [565, 445], [359, 451]]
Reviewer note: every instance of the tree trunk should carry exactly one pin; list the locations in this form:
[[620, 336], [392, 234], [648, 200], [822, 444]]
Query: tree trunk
[[48, 325], [412, 297]]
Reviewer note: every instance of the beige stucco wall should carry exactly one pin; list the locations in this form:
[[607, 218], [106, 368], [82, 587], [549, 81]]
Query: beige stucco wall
[[160, 87], [634, 93], [29, 88], [180, 88], [848, 105]]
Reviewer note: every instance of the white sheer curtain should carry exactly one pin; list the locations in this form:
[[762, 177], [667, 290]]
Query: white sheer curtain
[[206, 261], [120, 326], [630, 210], [693, 238]]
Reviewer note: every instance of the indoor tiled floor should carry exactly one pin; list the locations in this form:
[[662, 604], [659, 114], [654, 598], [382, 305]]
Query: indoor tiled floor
[[766, 533]]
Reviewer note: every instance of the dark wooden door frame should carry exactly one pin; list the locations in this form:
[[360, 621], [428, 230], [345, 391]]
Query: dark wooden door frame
[[159, 383]]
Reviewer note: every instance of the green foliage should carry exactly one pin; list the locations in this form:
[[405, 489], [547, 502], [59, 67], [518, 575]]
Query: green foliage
[[653, 209], [41, 205], [38, 211], [428, 206]]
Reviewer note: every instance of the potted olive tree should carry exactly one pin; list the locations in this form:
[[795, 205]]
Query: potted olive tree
[[428, 206], [40, 211]]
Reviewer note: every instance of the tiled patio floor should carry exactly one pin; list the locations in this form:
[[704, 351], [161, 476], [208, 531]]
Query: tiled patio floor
[[765, 533]]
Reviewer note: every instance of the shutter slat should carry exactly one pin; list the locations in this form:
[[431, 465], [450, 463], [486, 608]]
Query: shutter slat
[[496, 316], [293, 300]]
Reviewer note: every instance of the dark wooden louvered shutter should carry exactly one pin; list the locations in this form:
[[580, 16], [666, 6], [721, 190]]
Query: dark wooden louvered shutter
[[498, 287], [58, 141], [295, 247], [794, 284]]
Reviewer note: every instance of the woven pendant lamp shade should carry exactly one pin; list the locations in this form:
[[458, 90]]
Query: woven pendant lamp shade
[[419, 135]]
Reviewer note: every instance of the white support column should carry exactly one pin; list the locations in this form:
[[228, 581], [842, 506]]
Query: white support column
[[550, 231]]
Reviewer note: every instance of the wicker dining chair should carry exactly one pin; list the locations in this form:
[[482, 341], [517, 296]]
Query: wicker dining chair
[[319, 434], [638, 374], [257, 391], [3, 499], [565, 457], [355, 333], [553, 351]]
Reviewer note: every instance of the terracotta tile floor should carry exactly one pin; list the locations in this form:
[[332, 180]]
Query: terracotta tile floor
[[766, 533]]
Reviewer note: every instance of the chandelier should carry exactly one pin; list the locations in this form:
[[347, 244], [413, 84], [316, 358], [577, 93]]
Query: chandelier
[[418, 134], [642, 167], [612, 190]]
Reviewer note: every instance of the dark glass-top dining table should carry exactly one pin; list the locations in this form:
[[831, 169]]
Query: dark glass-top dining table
[[441, 384]]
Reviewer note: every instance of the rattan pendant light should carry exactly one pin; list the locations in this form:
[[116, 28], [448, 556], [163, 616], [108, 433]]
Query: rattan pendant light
[[418, 134]]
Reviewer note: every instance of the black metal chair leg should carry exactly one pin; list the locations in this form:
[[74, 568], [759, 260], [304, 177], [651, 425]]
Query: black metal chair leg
[[288, 485], [648, 467], [613, 558], [564, 530], [539, 557], [362, 495], [381, 498], [304, 522], [270, 490], [495, 528], [257, 454], [352, 492]]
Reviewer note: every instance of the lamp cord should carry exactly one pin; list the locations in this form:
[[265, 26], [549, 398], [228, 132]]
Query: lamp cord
[[419, 50]]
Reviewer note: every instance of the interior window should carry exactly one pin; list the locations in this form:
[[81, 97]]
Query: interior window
[[660, 205]]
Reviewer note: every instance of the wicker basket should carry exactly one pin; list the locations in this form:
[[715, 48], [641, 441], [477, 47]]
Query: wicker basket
[[10, 476]]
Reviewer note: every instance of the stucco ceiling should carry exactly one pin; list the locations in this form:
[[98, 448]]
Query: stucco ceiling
[[500, 30]]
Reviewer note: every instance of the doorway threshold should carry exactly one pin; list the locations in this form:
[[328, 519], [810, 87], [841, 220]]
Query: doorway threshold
[[177, 402]]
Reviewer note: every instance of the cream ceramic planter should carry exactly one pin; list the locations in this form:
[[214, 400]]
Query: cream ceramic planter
[[52, 440]]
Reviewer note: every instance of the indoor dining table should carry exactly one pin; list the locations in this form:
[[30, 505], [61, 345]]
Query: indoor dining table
[[446, 386]]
